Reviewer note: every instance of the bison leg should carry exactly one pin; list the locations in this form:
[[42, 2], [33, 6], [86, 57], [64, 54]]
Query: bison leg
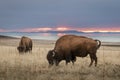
[[68, 59], [57, 62], [91, 57], [95, 58], [30, 50], [24, 49], [73, 59]]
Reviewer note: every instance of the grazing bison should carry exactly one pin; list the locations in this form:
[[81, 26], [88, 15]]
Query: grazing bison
[[25, 45], [68, 47]]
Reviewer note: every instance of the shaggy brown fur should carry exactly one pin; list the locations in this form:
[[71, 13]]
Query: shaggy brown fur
[[25, 45], [68, 47]]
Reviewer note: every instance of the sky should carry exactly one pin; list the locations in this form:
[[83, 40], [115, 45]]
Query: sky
[[46, 15]]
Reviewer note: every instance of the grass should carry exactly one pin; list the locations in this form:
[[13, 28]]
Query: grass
[[35, 66]]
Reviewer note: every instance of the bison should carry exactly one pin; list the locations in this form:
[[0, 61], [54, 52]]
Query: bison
[[68, 47], [25, 45]]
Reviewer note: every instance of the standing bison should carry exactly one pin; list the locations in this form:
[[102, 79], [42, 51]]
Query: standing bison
[[25, 45], [68, 47]]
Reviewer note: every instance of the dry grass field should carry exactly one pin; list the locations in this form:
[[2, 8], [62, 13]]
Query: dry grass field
[[34, 66]]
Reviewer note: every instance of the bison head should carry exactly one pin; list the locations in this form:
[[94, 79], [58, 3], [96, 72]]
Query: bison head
[[20, 49], [50, 57]]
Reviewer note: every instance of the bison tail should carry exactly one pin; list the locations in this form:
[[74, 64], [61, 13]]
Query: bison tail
[[99, 43]]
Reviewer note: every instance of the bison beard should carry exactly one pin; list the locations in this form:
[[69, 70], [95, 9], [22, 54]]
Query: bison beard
[[69, 47]]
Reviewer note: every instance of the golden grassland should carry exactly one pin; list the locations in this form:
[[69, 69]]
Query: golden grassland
[[34, 66]]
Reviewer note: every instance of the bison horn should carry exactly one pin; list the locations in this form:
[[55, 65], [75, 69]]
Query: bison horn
[[53, 54]]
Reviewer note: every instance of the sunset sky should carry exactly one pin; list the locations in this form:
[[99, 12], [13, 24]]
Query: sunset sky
[[60, 15]]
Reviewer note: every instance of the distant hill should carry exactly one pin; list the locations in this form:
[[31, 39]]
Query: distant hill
[[7, 37]]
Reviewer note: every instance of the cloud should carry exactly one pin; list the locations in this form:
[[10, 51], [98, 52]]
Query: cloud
[[44, 29], [67, 28], [62, 29], [25, 13]]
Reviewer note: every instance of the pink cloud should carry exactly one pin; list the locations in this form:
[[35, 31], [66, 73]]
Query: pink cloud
[[66, 28], [93, 29], [100, 29], [44, 29], [62, 28]]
